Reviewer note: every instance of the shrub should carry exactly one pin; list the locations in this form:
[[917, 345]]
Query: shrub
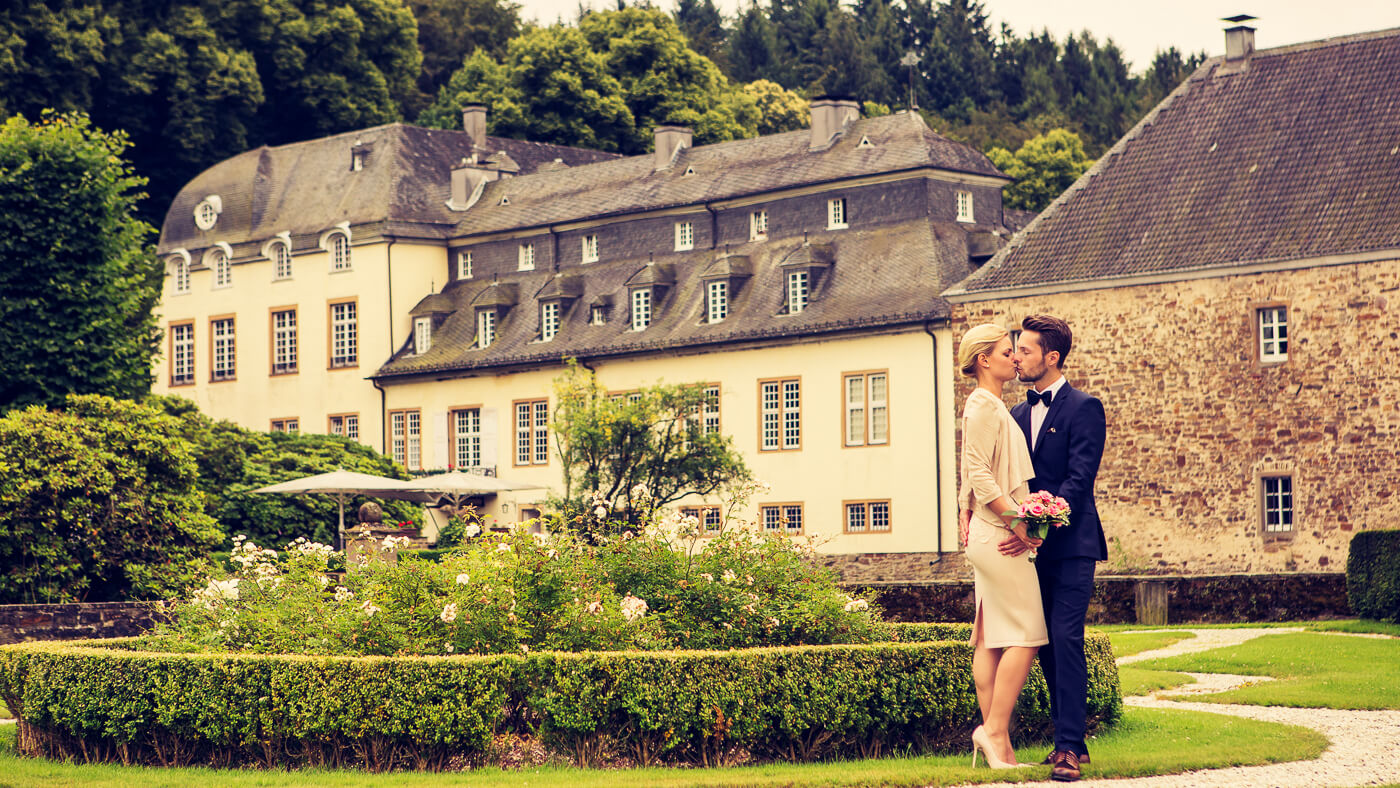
[[1373, 575], [98, 503], [103, 701]]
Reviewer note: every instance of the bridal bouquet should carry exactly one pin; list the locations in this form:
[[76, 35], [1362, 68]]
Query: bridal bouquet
[[1040, 511]]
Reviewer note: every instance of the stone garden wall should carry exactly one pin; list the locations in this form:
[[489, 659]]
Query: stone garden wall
[[73, 621]]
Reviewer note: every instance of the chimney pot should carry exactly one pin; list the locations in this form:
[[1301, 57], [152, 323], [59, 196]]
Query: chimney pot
[[474, 123], [830, 114], [668, 140], [1239, 40]]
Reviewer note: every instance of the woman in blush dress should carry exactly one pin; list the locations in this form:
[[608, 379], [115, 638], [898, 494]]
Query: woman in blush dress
[[1010, 625]]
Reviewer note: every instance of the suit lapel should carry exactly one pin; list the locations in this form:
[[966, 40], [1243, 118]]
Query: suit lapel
[[1022, 414], [1056, 406]]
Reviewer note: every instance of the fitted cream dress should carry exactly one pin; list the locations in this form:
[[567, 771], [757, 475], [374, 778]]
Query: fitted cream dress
[[995, 462]]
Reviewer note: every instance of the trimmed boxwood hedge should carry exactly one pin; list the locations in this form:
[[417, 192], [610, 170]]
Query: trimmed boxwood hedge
[[1373, 575], [100, 700]]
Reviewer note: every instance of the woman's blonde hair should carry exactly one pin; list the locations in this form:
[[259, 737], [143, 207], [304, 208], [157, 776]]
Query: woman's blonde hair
[[977, 341]]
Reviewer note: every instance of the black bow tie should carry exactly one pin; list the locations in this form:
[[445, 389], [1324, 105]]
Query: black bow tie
[[1033, 397]]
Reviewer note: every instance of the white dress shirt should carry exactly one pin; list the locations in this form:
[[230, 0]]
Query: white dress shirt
[[1039, 409]]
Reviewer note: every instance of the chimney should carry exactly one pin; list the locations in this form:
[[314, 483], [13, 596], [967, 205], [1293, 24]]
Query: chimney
[[830, 114], [466, 177], [669, 139], [474, 123], [1239, 40]]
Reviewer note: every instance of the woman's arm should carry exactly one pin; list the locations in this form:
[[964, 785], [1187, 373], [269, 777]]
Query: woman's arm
[[981, 434]]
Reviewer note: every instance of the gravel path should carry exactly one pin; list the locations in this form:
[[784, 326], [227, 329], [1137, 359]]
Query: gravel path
[[1365, 747]]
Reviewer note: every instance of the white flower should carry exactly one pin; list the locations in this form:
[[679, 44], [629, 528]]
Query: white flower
[[473, 530], [639, 491], [729, 576], [601, 512], [708, 576], [343, 594], [323, 580], [503, 547], [856, 605], [772, 622], [451, 648], [633, 608], [449, 613], [463, 579], [595, 607], [369, 609]]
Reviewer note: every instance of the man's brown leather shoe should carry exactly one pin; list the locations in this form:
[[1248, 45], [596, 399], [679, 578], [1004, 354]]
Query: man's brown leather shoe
[[1065, 768], [1049, 759]]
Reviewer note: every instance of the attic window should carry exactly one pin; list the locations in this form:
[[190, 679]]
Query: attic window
[[965, 206], [504, 200], [422, 335], [865, 143], [688, 171], [206, 213], [358, 157], [597, 314]]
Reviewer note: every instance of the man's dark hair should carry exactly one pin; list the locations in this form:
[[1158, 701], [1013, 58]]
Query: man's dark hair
[[1054, 335]]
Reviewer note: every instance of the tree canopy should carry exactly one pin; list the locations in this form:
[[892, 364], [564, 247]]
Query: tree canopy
[[1043, 167]]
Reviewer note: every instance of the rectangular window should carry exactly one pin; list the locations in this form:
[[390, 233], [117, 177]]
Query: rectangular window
[[464, 264], [182, 354], [422, 335], [286, 425], [527, 257], [597, 314], [867, 413], [485, 327], [709, 518], [590, 248], [780, 415], [549, 320], [716, 301], [346, 425], [864, 517], [782, 518], [345, 335], [964, 206], [641, 308], [797, 292], [709, 415], [1278, 505], [406, 438], [758, 226], [221, 335], [466, 438], [1273, 334], [284, 341], [836, 213], [532, 432], [685, 236]]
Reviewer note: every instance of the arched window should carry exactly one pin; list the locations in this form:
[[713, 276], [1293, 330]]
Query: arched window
[[281, 255], [340, 252], [180, 271], [223, 272]]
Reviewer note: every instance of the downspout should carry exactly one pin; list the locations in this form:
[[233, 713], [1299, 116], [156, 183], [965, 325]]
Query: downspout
[[383, 417], [937, 445]]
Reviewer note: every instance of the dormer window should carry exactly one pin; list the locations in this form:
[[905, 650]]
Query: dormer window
[[758, 226], [798, 291], [281, 260], [685, 236], [422, 335], [590, 248], [716, 301], [865, 143], [485, 328], [836, 213], [340, 252], [223, 271], [526, 256], [597, 315], [965, 206], [180, 272], [464, 264], [549, 320], [641, 308], [359, 156], [206, 213]]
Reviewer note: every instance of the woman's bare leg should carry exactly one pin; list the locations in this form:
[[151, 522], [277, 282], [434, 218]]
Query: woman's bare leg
[[1010, 671]]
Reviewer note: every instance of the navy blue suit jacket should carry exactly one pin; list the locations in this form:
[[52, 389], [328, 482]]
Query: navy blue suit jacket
[[1066, 461]]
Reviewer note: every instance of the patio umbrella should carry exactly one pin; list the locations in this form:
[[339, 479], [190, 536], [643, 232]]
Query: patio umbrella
[[345, 485], [456, 485]]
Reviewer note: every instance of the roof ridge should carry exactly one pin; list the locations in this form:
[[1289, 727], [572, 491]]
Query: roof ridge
[[1320, 43]]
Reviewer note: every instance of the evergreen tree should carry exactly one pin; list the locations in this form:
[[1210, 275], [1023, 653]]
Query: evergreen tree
[[703, 26], [753, 47]]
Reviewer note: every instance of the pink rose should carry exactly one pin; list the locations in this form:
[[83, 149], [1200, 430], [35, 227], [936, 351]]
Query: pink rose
[[1036, 510]]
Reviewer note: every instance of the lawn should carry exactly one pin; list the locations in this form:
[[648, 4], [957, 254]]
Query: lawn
[[1136, 681], [1313, 670], [1145, 742], [1126, 644]]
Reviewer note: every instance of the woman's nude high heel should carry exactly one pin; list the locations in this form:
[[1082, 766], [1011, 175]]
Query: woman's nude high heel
[[981, 741]]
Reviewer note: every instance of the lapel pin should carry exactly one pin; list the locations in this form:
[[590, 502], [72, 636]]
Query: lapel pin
[[1052, 429]]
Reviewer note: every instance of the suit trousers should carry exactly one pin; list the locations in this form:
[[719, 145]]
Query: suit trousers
[[1065, 588]]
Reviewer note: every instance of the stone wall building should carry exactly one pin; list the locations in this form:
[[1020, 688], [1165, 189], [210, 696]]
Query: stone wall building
[[1228, 269]]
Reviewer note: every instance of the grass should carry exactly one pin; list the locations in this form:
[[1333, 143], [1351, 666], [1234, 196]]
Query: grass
[[1144, 742], [1126, 644], [1314, 670], [1355, 626], [1136, 681]]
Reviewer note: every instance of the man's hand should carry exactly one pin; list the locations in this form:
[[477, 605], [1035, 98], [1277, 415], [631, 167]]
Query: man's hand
[[1013, 545], [964, 526]]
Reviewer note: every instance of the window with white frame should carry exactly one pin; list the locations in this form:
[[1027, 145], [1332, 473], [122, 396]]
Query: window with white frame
[[864, 517], [867, 408], [798, 291], [180, 271], [346, 425], [549, 320], [1277, 495], [281, 260], [340, 252], [706, 417], [1273, 334], [758, 226], [182, 354], [641, 308], [206, 213], [526, 256], [964, 206], [780, 414], [532, 432], [406, 438], [286, 425], [597, 314], [685, 236], [782, 518], [485, 327], [284, 342], [466, 438], [464, 264], [716, 301], [590, 248], [422, 335], [221, 333], [345, 335], [709, 518], [836, 213], [223, 270]]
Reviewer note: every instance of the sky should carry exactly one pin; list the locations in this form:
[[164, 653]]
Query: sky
[[1140, 28]]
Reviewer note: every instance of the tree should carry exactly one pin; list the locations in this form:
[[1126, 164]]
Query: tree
[[779, 109], [703, 27], [451, 30], [78, 281], [98, 502], [753, 47], [1043, 168], [653, 438]]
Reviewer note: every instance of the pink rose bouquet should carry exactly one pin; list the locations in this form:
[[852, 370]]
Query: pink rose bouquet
[[1041, 511]]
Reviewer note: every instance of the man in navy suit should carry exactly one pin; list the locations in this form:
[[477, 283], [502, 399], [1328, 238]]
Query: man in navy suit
[[1065, 430]]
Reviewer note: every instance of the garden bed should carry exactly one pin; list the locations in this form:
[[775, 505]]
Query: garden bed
[[105, 701]]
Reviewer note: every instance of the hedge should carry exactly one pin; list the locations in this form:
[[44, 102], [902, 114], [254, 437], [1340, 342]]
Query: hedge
[[101, 701], [1373, 575]]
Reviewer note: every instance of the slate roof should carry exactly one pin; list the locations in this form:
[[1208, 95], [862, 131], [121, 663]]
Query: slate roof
[[309, 187], [1296, 156]]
